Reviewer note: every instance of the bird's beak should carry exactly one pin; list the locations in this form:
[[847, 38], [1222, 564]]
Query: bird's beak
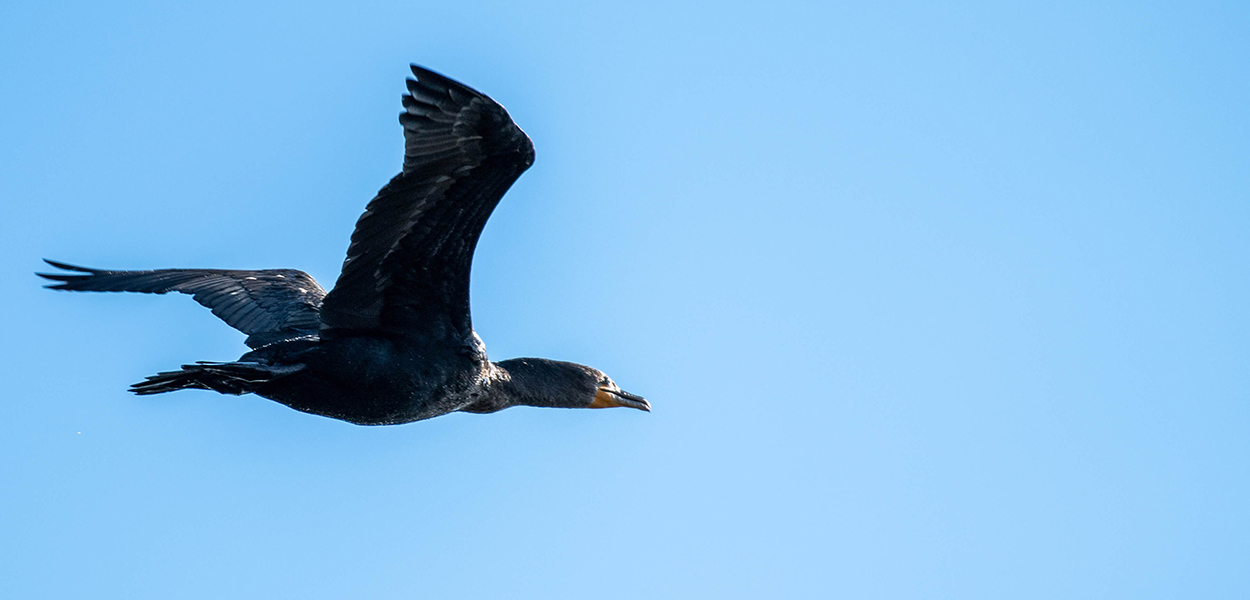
[[606, 398]]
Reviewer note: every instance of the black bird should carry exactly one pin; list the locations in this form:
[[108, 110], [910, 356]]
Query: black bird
[[393, 342]]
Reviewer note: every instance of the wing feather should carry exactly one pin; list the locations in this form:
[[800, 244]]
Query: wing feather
[[268, 305], [407, 268]]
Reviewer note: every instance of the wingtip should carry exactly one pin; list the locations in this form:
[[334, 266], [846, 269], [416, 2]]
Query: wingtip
[[426, 78], [65, 266], [421, 72], [430, 77], [57, 283], [59, 278], [74, 268]]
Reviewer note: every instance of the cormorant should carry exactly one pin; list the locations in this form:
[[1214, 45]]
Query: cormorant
[[393, 342]]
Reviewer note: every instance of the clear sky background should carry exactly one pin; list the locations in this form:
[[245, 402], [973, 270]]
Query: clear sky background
[[931, 301]]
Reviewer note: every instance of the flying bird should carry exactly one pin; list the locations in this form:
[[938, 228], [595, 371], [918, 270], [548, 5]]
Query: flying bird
[[393, 342]]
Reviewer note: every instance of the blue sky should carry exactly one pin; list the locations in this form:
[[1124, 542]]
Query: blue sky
[[931, 301]]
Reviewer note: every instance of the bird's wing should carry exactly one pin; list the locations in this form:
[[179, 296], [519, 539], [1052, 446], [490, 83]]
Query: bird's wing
[[268, 305], [407, 268]]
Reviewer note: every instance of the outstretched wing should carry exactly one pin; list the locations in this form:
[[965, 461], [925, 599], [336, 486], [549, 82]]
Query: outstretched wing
[[268, 305], [407, 268]]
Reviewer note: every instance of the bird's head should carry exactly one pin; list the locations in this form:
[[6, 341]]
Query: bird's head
[[556, 384]]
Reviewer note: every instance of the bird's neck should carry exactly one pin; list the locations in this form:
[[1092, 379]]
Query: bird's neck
[[517, 387], [528, 382]]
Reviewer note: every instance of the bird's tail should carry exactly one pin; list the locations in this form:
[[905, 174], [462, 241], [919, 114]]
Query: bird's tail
[[226, 378]]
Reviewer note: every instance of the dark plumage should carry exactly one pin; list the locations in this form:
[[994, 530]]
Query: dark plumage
[[393, 342]]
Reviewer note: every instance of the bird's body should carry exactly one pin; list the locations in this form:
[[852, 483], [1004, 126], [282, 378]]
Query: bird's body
[[393, 342], [374, 381]]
